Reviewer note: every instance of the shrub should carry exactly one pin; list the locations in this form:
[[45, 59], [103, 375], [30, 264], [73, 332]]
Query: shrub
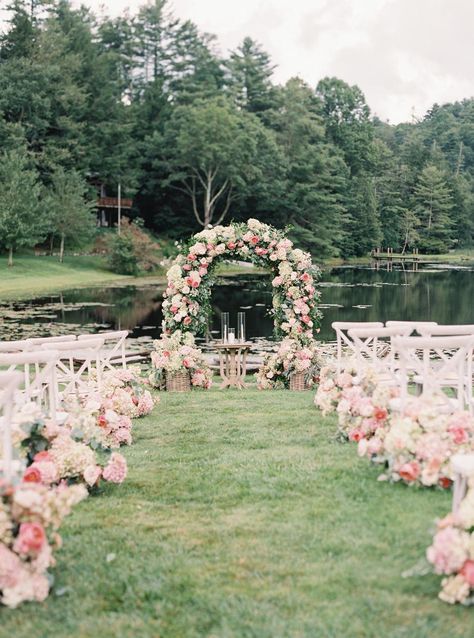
[[133, 251]]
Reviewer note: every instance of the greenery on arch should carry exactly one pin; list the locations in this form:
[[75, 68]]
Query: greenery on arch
[[186, 305]]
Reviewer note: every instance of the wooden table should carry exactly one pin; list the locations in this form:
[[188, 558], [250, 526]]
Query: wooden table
[[233, 363]]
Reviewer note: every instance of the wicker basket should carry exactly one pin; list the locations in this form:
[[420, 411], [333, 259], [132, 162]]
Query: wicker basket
[[178, 382], [298, 382]]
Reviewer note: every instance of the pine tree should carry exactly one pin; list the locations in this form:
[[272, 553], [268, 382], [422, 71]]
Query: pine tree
[[249, 71], [433, 206]]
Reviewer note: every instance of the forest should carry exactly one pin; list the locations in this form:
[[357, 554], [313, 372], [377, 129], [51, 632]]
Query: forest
[[198, 137]]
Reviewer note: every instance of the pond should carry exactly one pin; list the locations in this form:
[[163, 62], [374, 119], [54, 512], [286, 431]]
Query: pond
[[440, 292]]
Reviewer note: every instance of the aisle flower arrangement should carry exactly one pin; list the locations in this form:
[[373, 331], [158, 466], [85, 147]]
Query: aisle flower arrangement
[[186, 305], [291, 357], [59, 453], [417, 444], [178, 353], [123, 391], [361, 402], [452, 553], [30, 517]]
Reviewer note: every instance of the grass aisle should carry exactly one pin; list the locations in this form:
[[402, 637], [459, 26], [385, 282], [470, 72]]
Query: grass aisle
[[242, 516]]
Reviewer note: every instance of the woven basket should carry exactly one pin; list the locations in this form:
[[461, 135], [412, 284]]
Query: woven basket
[[298, 382], [178, 382]]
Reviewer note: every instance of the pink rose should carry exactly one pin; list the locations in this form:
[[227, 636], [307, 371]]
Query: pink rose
[[356, 435], [30, 540], [32, 475], [409, 471], [187, 321], [458, 434]]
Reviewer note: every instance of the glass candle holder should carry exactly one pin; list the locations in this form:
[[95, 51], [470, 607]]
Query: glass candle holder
[[225, 327], [241, 327], [231, 337]]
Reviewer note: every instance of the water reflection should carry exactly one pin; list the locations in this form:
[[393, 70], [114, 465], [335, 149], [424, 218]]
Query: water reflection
[[437, 293]]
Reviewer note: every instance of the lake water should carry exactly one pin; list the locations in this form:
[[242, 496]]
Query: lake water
[[439, 293]]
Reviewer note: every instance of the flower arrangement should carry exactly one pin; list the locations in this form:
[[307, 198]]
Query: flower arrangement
[[30, 516], [291, 357], [417, 444], [362, 404], [186, 303], [125, 394], [452, 553], [56, 453], [178, 353]]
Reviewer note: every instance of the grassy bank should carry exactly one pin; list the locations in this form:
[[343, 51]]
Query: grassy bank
[[243, 517], [36, 275]]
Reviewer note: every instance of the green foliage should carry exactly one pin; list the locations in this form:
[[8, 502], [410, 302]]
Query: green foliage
[[133, 251], [68, 211], [195, 137], [122, 257], [21, 219]]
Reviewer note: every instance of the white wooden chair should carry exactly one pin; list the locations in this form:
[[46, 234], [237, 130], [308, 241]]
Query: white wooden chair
[[37, 342], [373, 347], [14, 346], [9, 384], [415, 326], [463, 468], [447, 331], [39, 378], [345, 342], [431, 361], [75, 362], [113, 350]]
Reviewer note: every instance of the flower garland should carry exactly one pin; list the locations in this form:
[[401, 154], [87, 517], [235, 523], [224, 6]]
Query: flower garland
[[178, 353], [290, 357], [186, 299]]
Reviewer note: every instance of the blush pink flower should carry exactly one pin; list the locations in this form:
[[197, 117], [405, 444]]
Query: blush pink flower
[[467, 571], [116, 469], [30, 540], [409, 471]]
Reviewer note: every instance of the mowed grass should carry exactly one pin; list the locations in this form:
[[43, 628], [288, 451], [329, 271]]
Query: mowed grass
[[35, 275], [243, 516]]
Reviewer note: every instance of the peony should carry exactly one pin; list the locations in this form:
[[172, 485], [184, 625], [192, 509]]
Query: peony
[[448, 553], [409, 471], [467, 572], [30, 540]]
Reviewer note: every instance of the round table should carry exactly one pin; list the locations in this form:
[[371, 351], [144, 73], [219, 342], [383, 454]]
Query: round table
[[233, 363]]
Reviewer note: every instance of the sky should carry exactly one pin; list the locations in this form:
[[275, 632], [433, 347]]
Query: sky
[[404, 54]]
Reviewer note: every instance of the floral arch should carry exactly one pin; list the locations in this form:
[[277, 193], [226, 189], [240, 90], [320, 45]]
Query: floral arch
[[186, 306]]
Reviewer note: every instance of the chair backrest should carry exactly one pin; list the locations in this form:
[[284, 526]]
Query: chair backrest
[[75, 361], [9, 383], [445, 331], [38, 341], [14, 346], [342, 338], [373, 346], [415, 326], [439, 363], [114, 347], [39, 377]]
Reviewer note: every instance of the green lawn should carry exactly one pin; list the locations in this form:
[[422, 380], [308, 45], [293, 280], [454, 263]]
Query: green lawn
[[243, 517], [32, 275]]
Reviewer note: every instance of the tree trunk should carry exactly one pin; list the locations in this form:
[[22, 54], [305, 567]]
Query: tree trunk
[[51, 245], [61, 249], [10, 257]]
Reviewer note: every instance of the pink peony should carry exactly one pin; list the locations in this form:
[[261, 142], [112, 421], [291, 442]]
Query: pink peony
[[30, 540], [116, 469], [10, 567], [449, 551]]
